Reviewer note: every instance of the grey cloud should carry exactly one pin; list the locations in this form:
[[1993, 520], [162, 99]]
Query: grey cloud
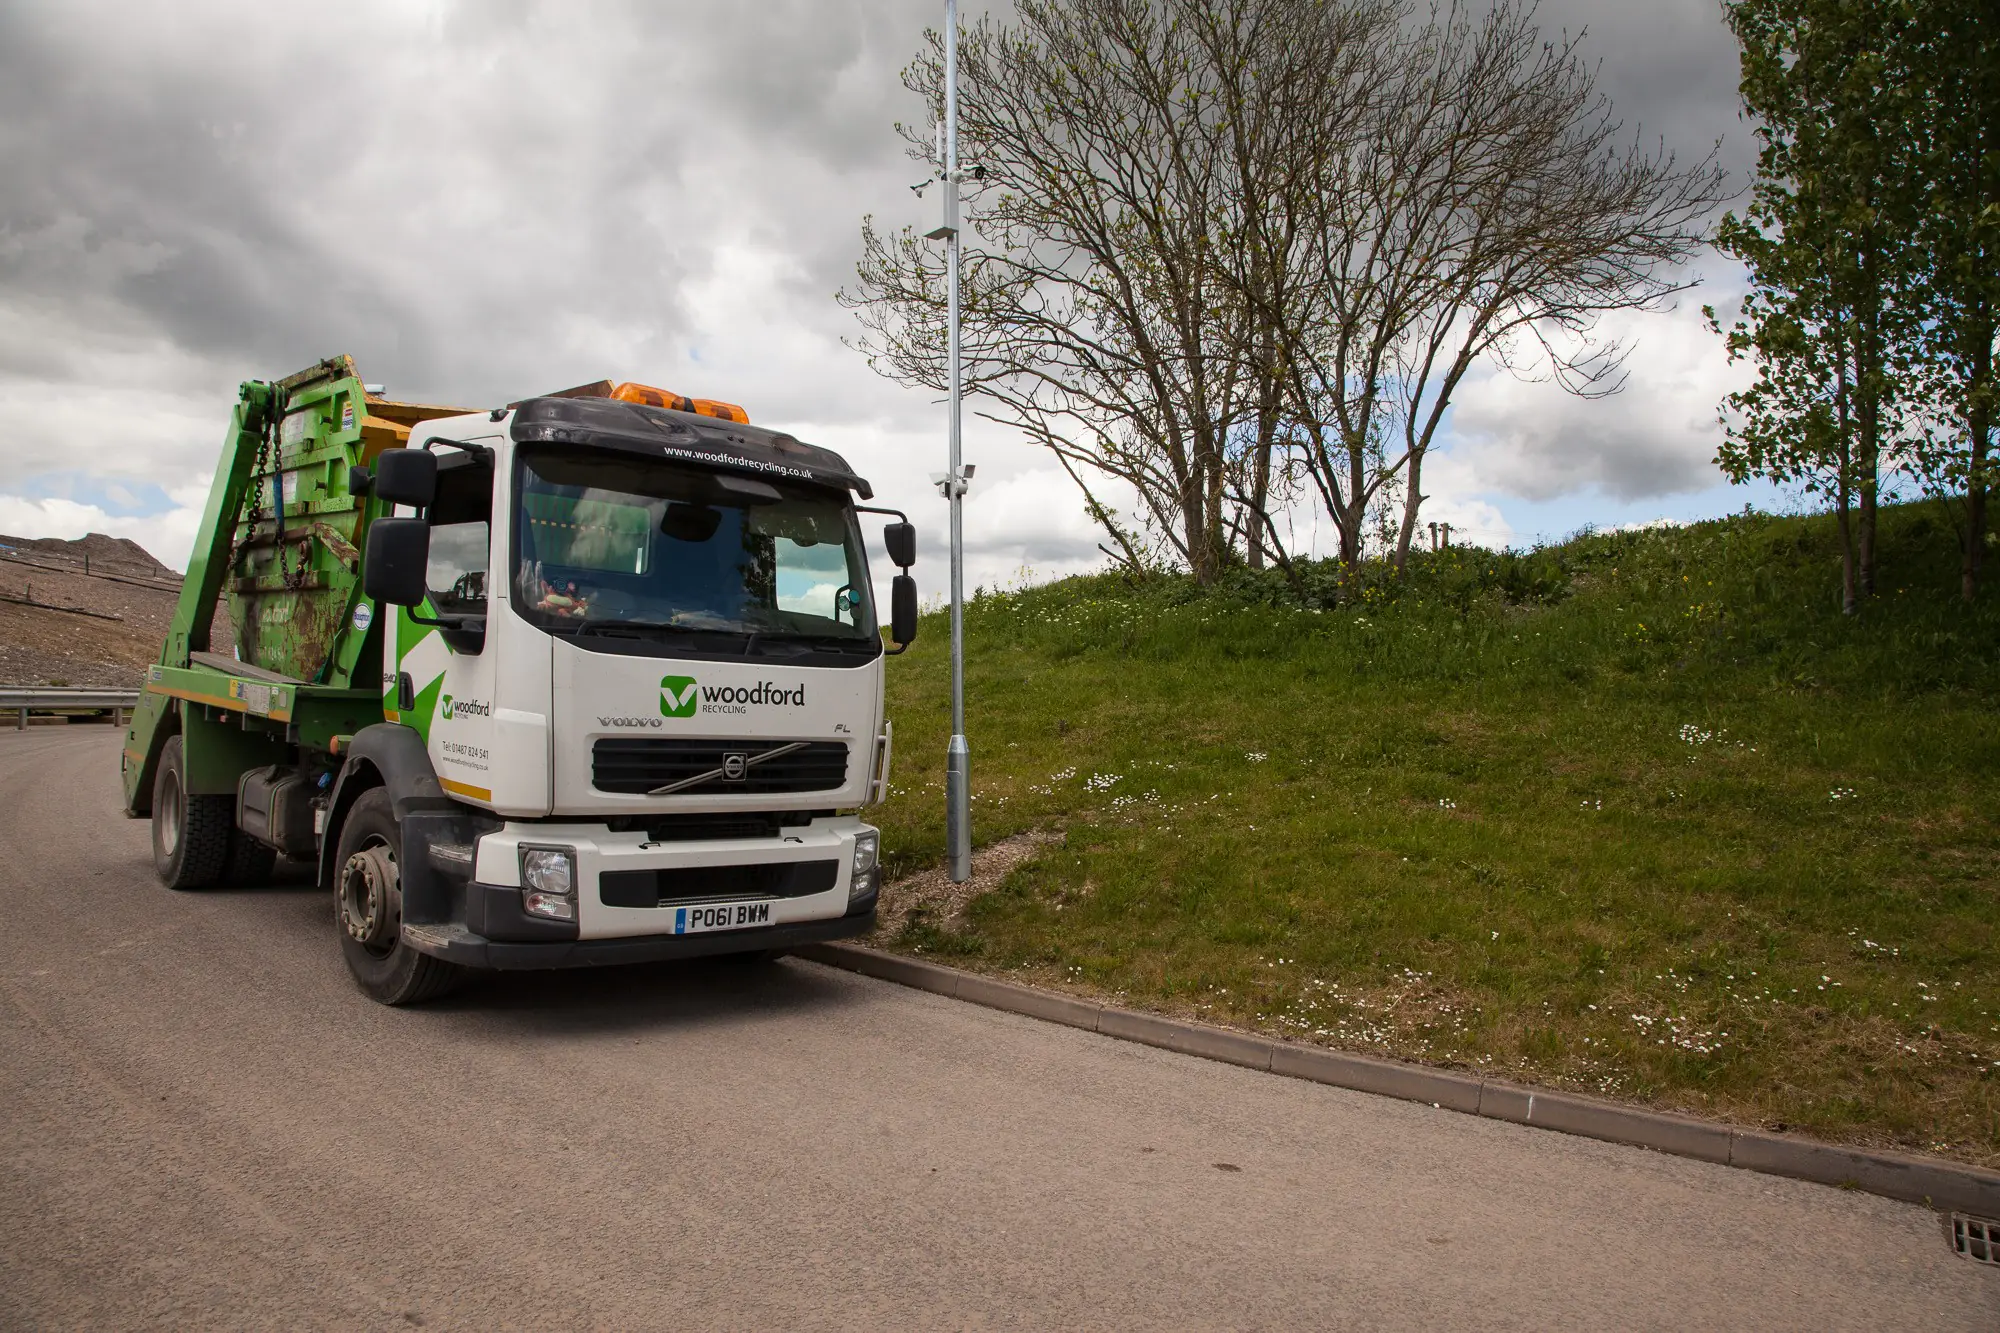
[[513, 195], [439, 225], [1669, 68], [110, 171], [1036, 548], [823, 75], [1626, 459], [1658, 437]]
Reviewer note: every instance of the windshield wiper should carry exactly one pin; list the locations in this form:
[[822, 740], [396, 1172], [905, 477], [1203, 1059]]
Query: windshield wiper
[[754, 643], [611, 629], [637, 626], [840, 643], [642, 629], [799, 644]]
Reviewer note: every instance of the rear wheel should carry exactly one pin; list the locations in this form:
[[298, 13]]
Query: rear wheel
[[191, 834], [250, 861], [368, 908]]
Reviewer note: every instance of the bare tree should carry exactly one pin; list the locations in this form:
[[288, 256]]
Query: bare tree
[[1294, 87], [1226, 247], [1102, 315], [1488, 212]]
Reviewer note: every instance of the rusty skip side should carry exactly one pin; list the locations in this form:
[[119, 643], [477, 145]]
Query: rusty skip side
[[296, 580], [281, 538]]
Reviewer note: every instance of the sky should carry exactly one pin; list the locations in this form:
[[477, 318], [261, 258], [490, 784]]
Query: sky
[[483, 201]]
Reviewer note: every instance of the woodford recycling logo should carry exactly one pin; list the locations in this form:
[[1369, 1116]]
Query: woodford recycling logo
[[677, 696], [683, 696]]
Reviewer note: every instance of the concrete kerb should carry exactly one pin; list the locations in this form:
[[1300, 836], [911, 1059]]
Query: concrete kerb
[[1938, 1184]]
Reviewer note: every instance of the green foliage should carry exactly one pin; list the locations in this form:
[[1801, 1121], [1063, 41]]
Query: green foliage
[[1872, 237], [1600, 815], [1958, 158], [1828, 240], [1744, 591]]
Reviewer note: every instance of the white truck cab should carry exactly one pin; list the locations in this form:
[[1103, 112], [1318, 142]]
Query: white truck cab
[[632, 690]]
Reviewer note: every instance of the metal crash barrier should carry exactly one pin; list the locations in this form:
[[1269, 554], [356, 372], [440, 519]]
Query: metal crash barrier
[[23, 700]]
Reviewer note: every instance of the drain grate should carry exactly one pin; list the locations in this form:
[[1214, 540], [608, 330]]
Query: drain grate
[[1976, 1238]]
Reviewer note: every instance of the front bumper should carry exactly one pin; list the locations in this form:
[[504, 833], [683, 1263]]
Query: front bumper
[[455, 944], [806, 875]]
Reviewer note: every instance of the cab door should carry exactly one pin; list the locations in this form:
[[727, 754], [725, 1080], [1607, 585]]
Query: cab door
[[443, 685]]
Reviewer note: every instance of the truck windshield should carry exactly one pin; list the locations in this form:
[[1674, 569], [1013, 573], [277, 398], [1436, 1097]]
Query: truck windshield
[[631, 546]]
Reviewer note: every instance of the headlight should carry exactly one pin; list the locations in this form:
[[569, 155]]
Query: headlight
[[547, 869], [548, 882], [867, 846]]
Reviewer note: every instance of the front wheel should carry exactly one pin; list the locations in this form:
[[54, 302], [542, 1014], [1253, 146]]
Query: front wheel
[[368, 909]]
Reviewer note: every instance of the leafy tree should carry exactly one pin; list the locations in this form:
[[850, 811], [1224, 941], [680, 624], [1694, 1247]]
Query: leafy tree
[[1955, 75], [1841, 321]]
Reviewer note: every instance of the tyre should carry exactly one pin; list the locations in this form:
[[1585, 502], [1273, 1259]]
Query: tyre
[[368, 910], [191, 833], [250, 862]]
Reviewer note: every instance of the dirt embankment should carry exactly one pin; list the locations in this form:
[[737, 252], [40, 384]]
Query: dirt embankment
[[45, 587]]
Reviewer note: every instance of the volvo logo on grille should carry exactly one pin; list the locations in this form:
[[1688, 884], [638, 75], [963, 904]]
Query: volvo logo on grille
[[735, 766]]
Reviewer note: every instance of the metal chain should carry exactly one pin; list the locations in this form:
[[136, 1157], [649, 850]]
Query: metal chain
[[254, 511], [273, 428], [269, 457], [270, 452]]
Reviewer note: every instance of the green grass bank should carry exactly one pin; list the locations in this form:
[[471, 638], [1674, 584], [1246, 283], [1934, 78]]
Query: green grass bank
[[1641, 815]]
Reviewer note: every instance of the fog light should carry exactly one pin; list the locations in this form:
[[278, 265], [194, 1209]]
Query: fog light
[[867, 844], [862, 887], [555, 906]]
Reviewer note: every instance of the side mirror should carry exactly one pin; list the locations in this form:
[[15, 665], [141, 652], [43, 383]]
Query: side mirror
[[406, 477], [399, 552], [901, 539], [903, 608]]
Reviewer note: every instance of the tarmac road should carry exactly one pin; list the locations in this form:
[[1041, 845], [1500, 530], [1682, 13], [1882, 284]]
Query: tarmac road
[[208, 1126]]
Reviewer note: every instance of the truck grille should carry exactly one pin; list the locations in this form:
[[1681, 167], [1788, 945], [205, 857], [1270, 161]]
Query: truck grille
[[708, 884], [637, 765]]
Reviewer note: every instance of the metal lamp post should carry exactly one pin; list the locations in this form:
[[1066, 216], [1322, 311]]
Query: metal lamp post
[[957, 762]]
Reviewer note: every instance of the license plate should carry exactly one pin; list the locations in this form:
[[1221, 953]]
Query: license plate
[[720, 916]]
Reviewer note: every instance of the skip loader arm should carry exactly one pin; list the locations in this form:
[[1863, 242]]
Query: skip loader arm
[[258, 404]]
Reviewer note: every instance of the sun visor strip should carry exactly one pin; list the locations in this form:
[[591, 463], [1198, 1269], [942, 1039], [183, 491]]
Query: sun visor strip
[[683, 436]]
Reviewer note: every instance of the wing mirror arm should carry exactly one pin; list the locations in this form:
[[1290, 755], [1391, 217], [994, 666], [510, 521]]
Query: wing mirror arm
[[900, 537]]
